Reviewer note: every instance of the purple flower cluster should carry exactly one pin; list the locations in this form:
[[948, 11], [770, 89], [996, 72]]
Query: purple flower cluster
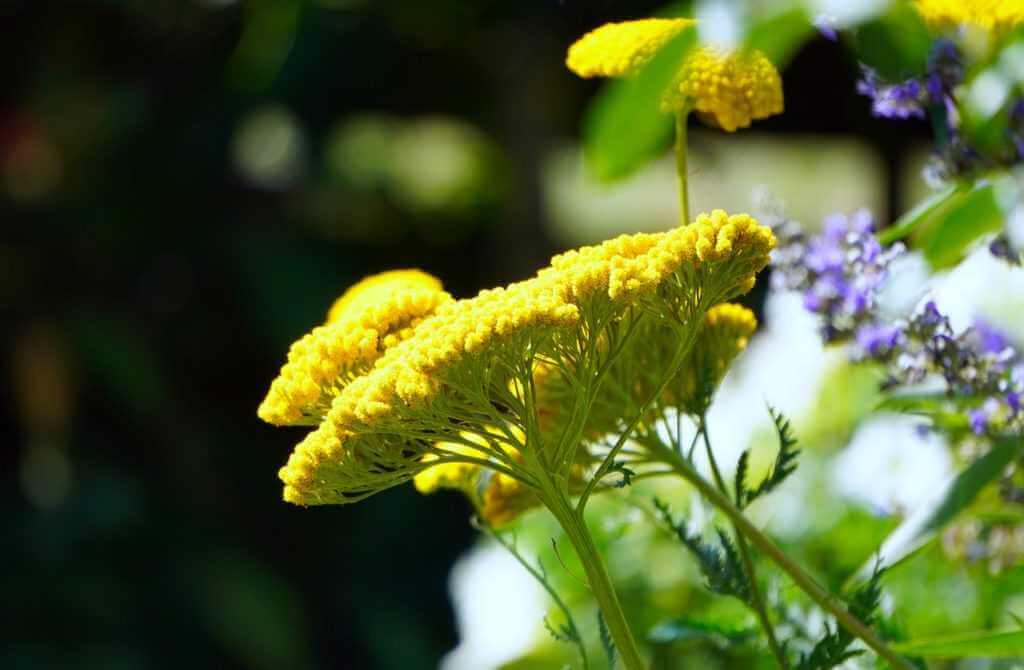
[[910, 98], [839, 272]]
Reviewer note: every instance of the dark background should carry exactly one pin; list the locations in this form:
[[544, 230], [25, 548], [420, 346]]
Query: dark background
[[149, 291]]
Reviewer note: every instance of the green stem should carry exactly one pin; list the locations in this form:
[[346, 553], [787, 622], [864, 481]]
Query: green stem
[[757, 599], [819, 595], [681, 168], [597, 576]]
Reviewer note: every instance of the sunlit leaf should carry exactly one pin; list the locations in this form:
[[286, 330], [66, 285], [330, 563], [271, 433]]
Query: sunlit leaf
[[960, 223], [912, 220], [981, 644], [780, 36], [920, 528], [624, 126], [969, 483]]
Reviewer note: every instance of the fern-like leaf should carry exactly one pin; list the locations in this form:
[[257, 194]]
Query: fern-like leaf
[[607, 642], [785, 463], [722, 569], [834, 648]]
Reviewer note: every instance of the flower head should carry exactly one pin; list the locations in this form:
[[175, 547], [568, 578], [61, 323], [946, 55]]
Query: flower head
[[620, 49], [995, 15], [462, 375], [727, 329], [728, 89], [379, 288], [372, 316]]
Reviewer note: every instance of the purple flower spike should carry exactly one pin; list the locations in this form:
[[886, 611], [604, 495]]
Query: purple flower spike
[[826, 25], [877, 339], [992, 340], [978, 420]]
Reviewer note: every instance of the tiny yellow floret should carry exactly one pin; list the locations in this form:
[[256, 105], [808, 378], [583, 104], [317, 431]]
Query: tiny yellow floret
[[377, 288], [372, 319], [729, 90], [994, 15]]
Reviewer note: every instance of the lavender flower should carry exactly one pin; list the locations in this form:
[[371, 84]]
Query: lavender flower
[[893, 101], [839, 272]]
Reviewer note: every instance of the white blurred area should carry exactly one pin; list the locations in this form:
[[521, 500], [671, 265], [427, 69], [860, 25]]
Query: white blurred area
[[813, 176], [891, 466], [498, 609]]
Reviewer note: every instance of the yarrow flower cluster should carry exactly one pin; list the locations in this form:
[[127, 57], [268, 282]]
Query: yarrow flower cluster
[[464, 376], [728, 89], [995, 15]]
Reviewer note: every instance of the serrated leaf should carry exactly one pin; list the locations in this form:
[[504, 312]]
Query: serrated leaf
[[780, 36], [783, 467], [624, 126], [981, 644], [607, 642]]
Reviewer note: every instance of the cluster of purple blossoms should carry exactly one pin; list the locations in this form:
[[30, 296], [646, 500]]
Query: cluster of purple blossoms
[[840, 273], [912, 97]]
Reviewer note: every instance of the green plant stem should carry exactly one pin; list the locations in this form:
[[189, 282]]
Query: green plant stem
[[681, 167], [757, 599], [597, 576], [807, 584], [540, 575]]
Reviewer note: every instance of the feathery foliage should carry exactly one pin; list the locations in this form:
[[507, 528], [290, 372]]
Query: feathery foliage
[[834, 648], [607, 642], [785, 463], [722, 568]]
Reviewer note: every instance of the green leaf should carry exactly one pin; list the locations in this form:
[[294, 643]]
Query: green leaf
[[913, 219], [959, 224], [624, 127], [606, 641], [920, 528], [687, 630], [981, 644], [780, 36], [784, 465], [969, 483]]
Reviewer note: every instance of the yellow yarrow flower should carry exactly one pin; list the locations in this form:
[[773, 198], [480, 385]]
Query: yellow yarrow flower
[[374, 315], [726, 332], [620, 49], [728, 89], [464, 369], [378, 288], [995, 15]]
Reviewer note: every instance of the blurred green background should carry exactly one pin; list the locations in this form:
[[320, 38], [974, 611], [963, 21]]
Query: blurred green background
[[186, 185]]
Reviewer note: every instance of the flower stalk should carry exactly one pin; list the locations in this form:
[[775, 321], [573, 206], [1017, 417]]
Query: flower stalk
[[756, 597], [681, 165], [804, 581], [575, 528]]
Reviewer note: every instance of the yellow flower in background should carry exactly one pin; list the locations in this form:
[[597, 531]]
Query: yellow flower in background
[[994, 15], [369, 318], [619, 49], [726, 332], [728, 89]]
